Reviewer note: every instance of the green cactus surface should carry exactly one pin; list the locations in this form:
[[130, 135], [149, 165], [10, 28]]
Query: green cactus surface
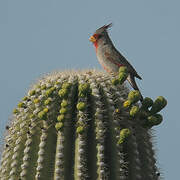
[[81, 126]]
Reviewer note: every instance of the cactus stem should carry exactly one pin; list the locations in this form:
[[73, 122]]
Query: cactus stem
[[80, 170], [65, 139], [147, 158], [132, 157], [30, 152], [100, 130], [18, 149], [75, 126], [112, 152]]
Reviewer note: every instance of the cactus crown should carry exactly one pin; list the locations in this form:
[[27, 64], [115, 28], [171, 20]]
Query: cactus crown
[[78, 125]]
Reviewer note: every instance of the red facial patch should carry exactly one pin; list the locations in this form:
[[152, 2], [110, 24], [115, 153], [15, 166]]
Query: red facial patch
[[96, 45], [96, 42]]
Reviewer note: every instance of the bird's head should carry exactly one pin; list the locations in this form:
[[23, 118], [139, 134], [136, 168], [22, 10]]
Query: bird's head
[[100, 34]]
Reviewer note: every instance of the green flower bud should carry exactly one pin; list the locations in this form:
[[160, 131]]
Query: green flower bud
[[153, 120], [64, 103], [32, 92], [61, 117], [134, 111], [147, 102], [63, 110], [49, 92], [117, 110], [59, 126], [66, 85], [124, 134], [81, 106], [63, 93], [57, 83], [36, 101], [122, 77], [81, 95], [47, 101], [31, 116], [80, 129], [134, 96], [15, 111], [159, 118], [123, 69], [43, 87], [42, 115], [25, 98], [53, 88], [127, 104], [45, 110], [21, 105], [158, 105], [115, 81], [84, 88]]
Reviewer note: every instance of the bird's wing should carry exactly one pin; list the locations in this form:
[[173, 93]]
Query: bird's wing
[[119, 60], [113, 60]]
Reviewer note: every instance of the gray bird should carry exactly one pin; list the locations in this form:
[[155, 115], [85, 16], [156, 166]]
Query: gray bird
[[110, 58]]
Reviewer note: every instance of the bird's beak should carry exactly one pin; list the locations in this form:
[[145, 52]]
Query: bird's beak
[[92, 39]]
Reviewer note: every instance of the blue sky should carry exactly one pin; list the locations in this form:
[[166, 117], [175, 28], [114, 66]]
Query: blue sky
[[37, 37]]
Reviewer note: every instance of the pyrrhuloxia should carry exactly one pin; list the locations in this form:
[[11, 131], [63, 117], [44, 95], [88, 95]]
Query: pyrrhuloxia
[[110, 58]]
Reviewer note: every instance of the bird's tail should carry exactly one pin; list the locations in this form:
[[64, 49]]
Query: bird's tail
[[132, 82]]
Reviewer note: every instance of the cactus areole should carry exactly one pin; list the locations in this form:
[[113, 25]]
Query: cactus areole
[[80, 126]]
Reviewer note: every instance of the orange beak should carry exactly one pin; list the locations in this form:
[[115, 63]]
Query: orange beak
[[92, 39]]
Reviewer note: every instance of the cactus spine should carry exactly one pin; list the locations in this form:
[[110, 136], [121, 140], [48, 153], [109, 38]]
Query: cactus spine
[[76, 125]]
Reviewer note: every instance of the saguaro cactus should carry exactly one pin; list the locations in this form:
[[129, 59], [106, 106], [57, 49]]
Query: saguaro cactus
[[79, 125]]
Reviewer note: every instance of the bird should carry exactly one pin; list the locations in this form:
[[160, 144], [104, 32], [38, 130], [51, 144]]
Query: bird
[[110, 58]]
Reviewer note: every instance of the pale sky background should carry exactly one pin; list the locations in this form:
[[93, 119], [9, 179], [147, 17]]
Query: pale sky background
[[39, 36]]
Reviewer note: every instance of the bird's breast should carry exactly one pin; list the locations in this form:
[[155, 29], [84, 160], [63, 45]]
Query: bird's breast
[[108, 65]]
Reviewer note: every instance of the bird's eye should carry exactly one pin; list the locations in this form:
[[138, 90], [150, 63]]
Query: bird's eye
[[97, 36]]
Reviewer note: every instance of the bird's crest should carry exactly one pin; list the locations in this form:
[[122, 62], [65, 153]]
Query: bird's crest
[[103, 28]]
